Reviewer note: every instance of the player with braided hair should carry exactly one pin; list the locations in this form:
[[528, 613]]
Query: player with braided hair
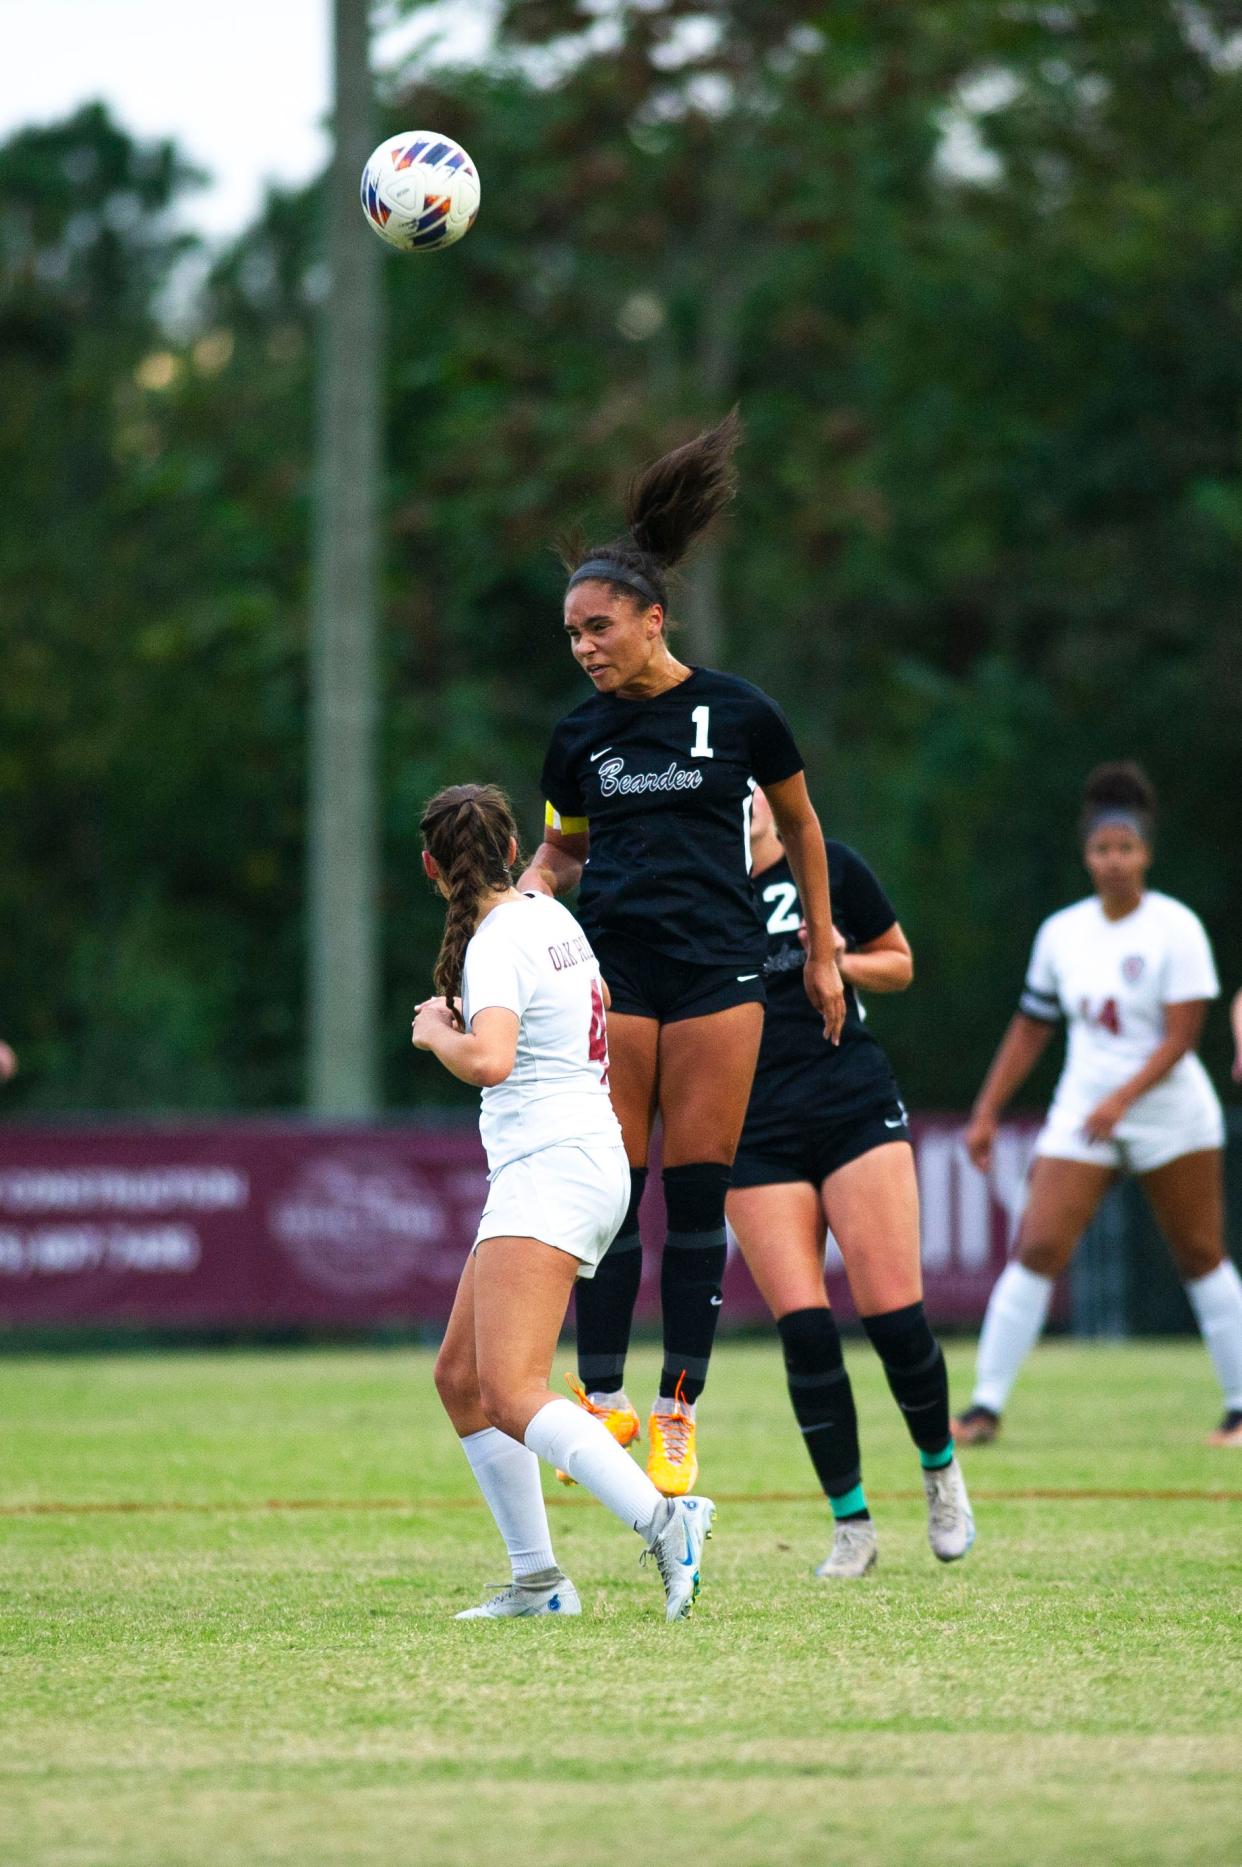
[[520, 1013], [649, 787], [1131, 970]]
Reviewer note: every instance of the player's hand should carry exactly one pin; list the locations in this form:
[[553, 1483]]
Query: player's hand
[[838, 940], [8, 1062], [978, 1137], [827, 994], [432, 1016], [1104, 1117]]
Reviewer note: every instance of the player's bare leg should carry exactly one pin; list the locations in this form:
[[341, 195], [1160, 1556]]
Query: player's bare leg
[[872, 1207], [604, 1304], [507, 1473], [1062, 1200], [1188, 1200], [521, 1294]]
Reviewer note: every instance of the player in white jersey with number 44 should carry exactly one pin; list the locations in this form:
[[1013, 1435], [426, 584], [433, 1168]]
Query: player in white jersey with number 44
[[1131, 970], [521, 1014]]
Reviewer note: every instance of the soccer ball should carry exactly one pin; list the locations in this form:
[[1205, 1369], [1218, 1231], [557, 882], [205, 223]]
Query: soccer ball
[[420, 189]]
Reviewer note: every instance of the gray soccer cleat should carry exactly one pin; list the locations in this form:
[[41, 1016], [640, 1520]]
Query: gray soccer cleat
[[512, 1600], [853, 1553], [676, 1550], [950, 1520]]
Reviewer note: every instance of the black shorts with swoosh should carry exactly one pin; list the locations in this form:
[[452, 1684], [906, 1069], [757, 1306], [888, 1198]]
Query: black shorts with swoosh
[[647, 984], [813, 1150]]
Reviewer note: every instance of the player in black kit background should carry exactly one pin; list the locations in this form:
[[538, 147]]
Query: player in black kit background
[[826, 1142], [649, 787]]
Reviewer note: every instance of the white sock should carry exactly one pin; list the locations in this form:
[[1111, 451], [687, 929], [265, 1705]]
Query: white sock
[[508, 1477], [1217, 1303], [1016, 1314], [669, 1403], [581, 1445]]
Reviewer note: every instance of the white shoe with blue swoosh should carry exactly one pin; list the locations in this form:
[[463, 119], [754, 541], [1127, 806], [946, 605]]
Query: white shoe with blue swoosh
[[677, 1549], [511, 1600]]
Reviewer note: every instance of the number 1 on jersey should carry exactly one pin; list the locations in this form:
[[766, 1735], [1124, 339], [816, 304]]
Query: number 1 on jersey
[[702, 717]]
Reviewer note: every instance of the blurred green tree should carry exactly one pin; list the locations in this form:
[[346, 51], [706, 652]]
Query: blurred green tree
[[974, 274]]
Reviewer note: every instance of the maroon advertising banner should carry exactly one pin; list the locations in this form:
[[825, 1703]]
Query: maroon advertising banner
[[283, 1225]]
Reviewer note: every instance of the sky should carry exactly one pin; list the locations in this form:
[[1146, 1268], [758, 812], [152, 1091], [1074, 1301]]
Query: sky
[[241, 85]]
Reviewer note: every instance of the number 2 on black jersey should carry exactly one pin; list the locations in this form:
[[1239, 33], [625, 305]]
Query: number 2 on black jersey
[[784, 917]]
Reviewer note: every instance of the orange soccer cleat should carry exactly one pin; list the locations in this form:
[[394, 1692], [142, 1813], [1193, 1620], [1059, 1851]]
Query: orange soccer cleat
[[622, 1422], [672, 1462]]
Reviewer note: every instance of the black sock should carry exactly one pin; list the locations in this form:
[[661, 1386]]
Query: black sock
[[604, 1304], [691, 1271], [914, 1364], [823, 1404]]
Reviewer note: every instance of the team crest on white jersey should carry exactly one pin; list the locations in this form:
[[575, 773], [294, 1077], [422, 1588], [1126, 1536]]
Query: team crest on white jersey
[[1132, 968]]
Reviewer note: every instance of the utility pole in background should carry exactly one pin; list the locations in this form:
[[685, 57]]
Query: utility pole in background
[[343, 834]]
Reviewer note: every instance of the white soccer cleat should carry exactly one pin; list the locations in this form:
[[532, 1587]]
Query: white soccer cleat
[[513, 1601], [676, 1550], [853, 1553], [950, 1520]]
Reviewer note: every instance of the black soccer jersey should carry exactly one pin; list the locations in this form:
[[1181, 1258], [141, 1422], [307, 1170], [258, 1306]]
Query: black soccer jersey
[[800, 1076], [666, 785]]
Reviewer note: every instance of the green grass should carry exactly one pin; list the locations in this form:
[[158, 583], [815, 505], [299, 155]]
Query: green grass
[[205, 1679]]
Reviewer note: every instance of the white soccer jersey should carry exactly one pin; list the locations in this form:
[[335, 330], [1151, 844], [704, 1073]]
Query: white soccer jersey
[[1112, 980], [532, 958]]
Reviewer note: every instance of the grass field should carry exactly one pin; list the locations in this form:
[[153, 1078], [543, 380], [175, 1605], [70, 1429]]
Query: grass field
[[228, 1582]]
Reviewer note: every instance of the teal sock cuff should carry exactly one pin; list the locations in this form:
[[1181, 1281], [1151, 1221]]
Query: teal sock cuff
[[936, 1461], [849, 1503]]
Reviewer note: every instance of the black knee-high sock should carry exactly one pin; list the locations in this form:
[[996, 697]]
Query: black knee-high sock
[[604, 1304], [823, 1404], [914, 1364], [691, 1271]]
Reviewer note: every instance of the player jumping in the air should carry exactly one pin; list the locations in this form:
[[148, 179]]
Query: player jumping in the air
[[1132, 972], [651, 782], [826, 1139], [530, 1033]]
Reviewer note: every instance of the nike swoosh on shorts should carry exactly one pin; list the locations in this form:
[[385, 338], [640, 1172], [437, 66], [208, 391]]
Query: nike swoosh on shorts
[[596, 755]]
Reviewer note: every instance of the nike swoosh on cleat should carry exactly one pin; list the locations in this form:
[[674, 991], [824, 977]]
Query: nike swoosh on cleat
[[596, 755], [688, 1558]]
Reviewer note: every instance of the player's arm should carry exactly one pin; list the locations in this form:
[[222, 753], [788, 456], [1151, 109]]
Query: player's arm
[[556, 866], [1235, 1019], [1183, 1027], [800, 831], [1020, 1049], [884, 964], [483, 1056]]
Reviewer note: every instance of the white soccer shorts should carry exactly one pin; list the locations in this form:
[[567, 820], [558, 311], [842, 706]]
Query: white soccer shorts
[[1177, 1117], [574, 1198]]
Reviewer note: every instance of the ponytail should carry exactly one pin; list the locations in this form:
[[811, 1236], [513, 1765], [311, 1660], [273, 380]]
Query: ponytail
[[669, 504], [466, 829]]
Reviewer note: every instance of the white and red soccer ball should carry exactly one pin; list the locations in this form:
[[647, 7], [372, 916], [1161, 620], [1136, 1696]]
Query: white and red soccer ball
[[420, 190]]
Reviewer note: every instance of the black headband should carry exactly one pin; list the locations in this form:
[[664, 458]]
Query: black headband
[[609, 570]]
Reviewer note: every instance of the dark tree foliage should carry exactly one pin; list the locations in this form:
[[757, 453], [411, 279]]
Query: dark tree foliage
[[973, 272]]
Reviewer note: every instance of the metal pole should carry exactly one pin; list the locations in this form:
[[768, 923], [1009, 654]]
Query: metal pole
[[342, 856]]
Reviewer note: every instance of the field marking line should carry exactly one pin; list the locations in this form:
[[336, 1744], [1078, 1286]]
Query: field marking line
[[130, 1507]]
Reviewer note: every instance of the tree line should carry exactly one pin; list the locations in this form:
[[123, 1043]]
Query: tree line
[[973, 274]]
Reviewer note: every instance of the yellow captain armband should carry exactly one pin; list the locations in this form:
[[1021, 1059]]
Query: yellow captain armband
[[568, 826]]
